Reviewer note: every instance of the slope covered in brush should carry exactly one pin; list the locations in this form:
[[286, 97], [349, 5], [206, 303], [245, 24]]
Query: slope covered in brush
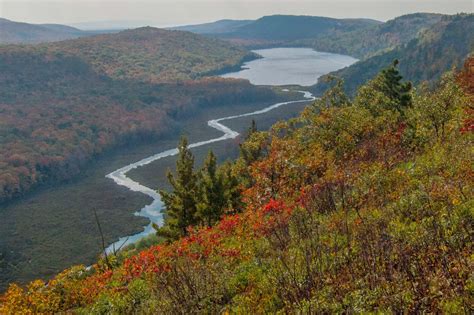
[[360, 205]]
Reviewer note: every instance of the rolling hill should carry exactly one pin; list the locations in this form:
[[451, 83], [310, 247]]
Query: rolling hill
[[434, 51], [278, 30], [364, 43], [289, 27], [24, 33], [360, 38], [218, 27], [152, 55]]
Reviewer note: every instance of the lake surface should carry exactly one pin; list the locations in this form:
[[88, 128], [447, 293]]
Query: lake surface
[[287, 66]]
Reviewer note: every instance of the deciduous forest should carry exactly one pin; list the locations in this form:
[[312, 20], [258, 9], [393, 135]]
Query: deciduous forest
[[359, 205], [62, 104]]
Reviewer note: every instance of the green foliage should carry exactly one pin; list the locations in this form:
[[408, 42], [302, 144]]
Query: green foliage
[[386, 92], [180, 204], [250, 152], [198, 198], [438, 107], [347, 212], [232, 188], [211, 196]]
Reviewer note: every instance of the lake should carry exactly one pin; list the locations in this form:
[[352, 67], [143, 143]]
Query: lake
[[287, 66]]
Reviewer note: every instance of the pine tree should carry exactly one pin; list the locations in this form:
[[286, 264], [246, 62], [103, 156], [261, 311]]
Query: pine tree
[[212, 196], [233, 191], [391, 85], [248, 152], [252, 129], [180, 204], [386, 92]]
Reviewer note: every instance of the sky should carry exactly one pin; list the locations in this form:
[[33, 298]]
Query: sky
[[132, 13]]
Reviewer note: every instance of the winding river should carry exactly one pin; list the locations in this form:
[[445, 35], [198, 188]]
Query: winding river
[[154, 211], [279, 66]]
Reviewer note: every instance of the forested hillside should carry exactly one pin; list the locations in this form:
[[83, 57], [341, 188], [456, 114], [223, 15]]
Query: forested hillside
[[364, 43], [288, 30], [59, 108], [289, 27], [360, 205], [148, 54], [360, 38], [434, 51]]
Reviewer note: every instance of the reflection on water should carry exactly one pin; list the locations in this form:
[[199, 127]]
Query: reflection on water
[[284, 66]]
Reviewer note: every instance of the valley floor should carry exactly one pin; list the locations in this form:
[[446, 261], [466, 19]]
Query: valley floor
[[39, 233]]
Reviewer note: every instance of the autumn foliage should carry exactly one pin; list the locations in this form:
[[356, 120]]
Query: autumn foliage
[[57, 113], [355, 207]]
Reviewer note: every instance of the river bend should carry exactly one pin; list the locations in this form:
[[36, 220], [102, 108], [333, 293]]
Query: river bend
[[154, 211]]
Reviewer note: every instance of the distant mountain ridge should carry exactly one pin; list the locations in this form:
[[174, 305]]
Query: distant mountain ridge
[[24, 33], [426, 57], [360, 38], [292, 27], [289, 30], [364, 43], [217, 27]]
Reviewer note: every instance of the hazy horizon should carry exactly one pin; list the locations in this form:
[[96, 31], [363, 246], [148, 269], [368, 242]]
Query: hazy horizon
[[164, 13]]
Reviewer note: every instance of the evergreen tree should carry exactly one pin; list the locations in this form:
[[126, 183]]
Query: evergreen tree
[[180, 204], [386, 92], [252, 129], [392, 86], [211, 197], [249, 152], [232, 188]]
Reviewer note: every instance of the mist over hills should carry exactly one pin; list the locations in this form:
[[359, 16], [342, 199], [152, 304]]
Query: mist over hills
[[24, 33], [217, 27], [288, 27]]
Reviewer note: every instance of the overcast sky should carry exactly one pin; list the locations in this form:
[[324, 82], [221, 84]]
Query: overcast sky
[[179, 12]]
